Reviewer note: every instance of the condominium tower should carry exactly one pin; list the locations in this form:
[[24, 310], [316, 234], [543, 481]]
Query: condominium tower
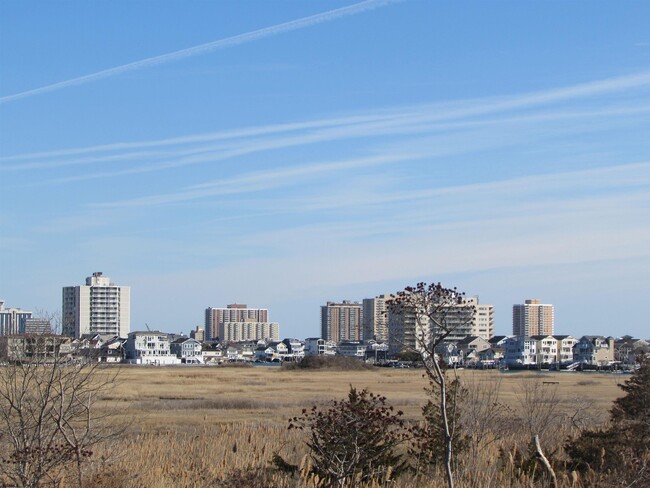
[[12, 320], [98, 307], [237, 323], [375, 318], [483, 322], [409, 329], [341, 321], [532, 318]]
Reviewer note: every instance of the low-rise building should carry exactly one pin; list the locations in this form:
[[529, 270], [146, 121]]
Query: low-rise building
[[497, 341], [112, 350], [355, 349], [87, 347], [520, 351], [272, 352], [449, 353], [214, 353], [565, 345], [376, 352], [188, 350], [540, 350], [37, 348], [495, 355], [490, 357], [295, 349], [470, 347], [149, 347], [594, 351], [627, 349], [315, 346], [545, 349]]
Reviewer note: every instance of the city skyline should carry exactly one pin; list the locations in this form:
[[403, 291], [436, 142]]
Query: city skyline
[[237, 322], [286, 154]]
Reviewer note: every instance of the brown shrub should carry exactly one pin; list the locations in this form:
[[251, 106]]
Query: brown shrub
[[340, 363]]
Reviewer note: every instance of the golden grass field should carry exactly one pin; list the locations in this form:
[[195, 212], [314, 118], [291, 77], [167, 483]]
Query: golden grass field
[[164, 398], [204, 426]]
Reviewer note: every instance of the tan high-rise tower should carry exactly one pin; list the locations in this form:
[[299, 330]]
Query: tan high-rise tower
[[238, 323], [341, 321], [533, 318]]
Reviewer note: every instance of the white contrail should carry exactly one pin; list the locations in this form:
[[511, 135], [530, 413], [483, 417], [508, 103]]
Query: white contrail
[[210, 46]]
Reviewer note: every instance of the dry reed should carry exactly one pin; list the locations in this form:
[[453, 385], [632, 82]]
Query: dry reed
[[213, 427]]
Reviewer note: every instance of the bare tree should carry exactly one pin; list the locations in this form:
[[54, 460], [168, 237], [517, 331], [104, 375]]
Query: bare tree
[[484, 416], [539, 407], [538, 403], [429, 314], [54, 318], [48, 423]]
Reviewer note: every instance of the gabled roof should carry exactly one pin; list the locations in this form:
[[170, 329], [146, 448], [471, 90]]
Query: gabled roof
[[631, 342], [90, 336], [592, 338], [468, 340], [496, 339], [181, 340], [115, 339]]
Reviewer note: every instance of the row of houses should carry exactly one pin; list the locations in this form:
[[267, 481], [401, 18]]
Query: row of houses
[[160, 348], [155, 348], [559, 351]]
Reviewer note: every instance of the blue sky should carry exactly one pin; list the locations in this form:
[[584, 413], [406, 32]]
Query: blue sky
[[286, 153]]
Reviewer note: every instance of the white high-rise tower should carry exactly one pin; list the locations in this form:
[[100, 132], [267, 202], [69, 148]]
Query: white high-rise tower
[[99, 307]]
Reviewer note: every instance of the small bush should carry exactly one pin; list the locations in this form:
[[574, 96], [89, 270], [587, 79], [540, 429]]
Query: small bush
[[235, 364], [354, 440]]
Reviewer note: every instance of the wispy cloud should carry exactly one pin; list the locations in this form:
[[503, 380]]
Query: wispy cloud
[[559, 192], [260, 180], [225, 135], [255, 35], [426, 118]]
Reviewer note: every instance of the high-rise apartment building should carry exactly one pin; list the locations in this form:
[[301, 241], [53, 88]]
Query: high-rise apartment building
[[341, 321], [12, 320], [483, 323], [409, 328], [533, 318], [98, 307], [250, 331], [237, 322], [375, 318]]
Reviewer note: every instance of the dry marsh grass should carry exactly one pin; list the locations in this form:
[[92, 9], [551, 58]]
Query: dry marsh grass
[[205, 427]]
